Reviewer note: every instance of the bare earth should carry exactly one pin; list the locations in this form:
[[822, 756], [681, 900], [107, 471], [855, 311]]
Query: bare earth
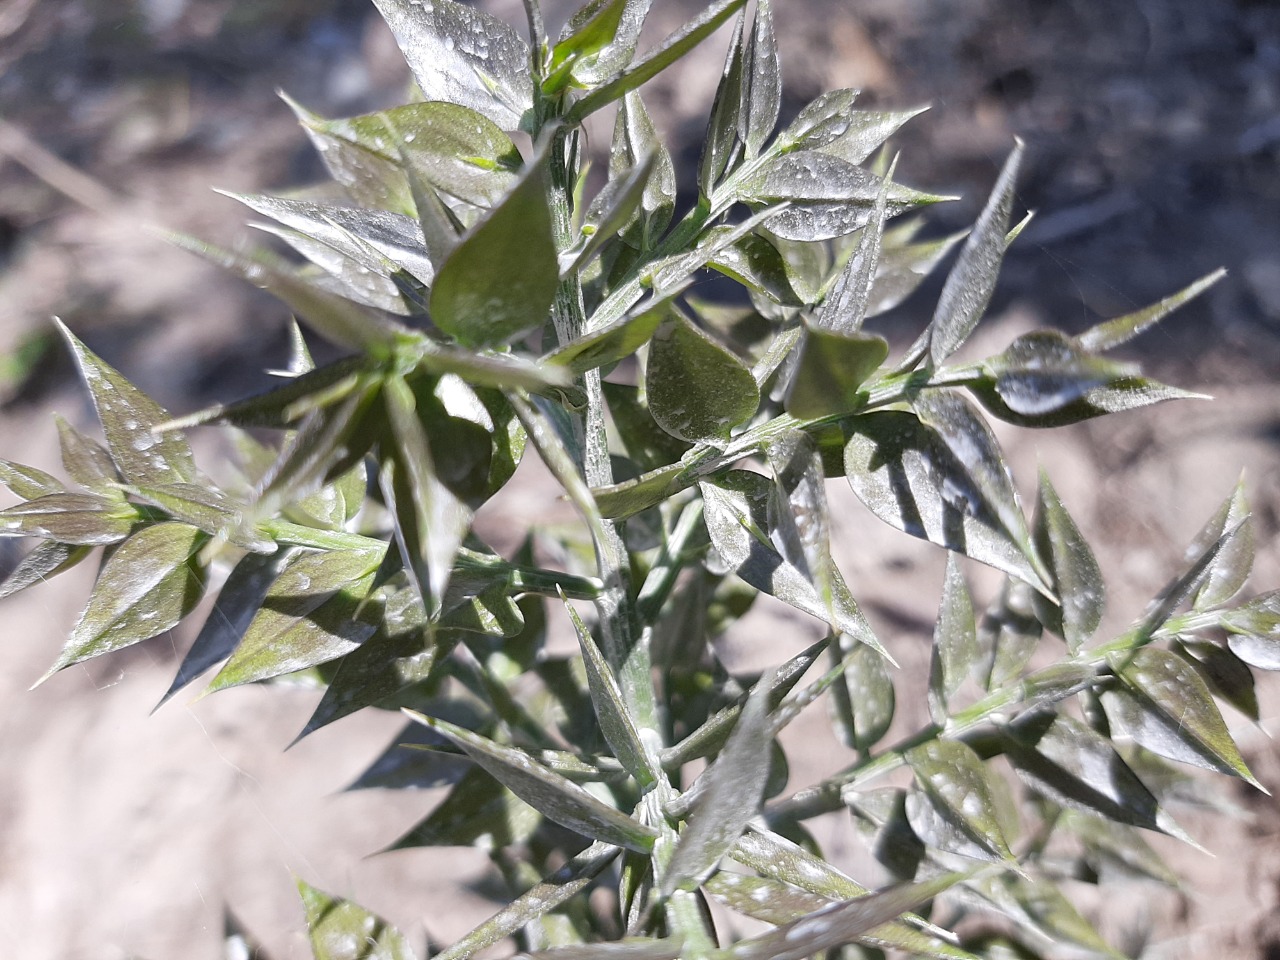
[[1153, 150]]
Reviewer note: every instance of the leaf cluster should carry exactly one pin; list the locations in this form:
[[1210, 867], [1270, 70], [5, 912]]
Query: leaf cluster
[[483, 298]]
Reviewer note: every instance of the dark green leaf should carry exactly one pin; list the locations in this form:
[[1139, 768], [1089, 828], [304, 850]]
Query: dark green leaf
[[307, 617], [729, 794], [28, 482], [1075, 575], [615, 722], [1167, 708], [1076, 767], [649, 66], [343, 930], [697, 389], [85, 461], [830, 369], [880, 817], [1255, 631], [837, 924], [1230, 568], [78, 518], [128, 416], [207, 508], [461, 55], [147, 586], [1111, 334], [44, 562], [613, 342], [500, 280], [909, 478], [478, 811], [1008, 633], [721, 146], [238, 602], [972, 280], [762, 82], [1227, 675], [863, 702], [550, 794], [955, 642], [956, 809]]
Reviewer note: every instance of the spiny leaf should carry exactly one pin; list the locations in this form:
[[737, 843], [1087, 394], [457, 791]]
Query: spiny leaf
[[972, 280], [729, 793], [461, 55], [697, 389], [146, 587], [1076, 577], [500, 280], [307, 617], [44, 562], [955, 791], [615, 722], [955, 642], [1111, 334], [128, 416], [1167, 708], [552, 795], [343, 930]]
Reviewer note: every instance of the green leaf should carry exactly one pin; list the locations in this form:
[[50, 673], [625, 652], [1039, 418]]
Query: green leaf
[[862, 704], [1111, 334], [827, 197], [44, 562], [146, 587], [1228, 677], [631, 948], [1041, 906], [1255, 631], [1008, 633], [1232, 564], [1167, 708], [830, 369], [589, 69], [430, 522], [77, 518], [238, 602], [761, 82], [613, 209], [955, 642], [28, 482], [128, 416], [737, 509], [555, 797], [479, 812], [500, 280], [837, 924], [755, 262], [845, 305], [955, 809], [1108, 843], [1076, 578], [909, 478], [1072, 765], [461, 55], [721, 147], [904, 266], [880, 817], [697, 389], [307, 617], [830, 124], [615, 722], [728, 796], [615, 341], [592, 29], [801, 517], [972, 280], [207, 508], [85, 461], [342, 930], [634, 140], [649, 66]]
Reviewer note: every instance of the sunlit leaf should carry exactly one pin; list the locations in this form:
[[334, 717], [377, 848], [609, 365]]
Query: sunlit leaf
[[44, 562], [721, 146], [77, 518], [1167, 708], [1111, 334], [756, 263], [613, 342], [307, 617], [903, 267], [1230, 568], [761, 83], [146, 587], [830, 369], [955, 642], [1042, 906], [1255, 631], [696, 388], [343, 930], [84, 459], [206, 508], [1077, 580], [552, 795], [461, 55], [863, 702], [972, 280], [1008, 633], [955, 808], [635, 139], [28, 482], [1228, 677]]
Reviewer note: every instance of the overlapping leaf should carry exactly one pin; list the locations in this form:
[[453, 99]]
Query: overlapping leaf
[[955, 642], [1076, 578], [955, 809], [697, 389], [344, 930]]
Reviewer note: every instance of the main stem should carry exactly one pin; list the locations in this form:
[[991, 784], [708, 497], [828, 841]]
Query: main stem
[[620, 640]]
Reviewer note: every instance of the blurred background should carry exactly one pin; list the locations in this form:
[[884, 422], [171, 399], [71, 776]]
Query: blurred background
[[1153, 135]]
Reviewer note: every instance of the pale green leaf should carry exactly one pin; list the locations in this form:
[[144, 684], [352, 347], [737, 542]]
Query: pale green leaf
[[44, 562], [343, 930], [721, 146], [761, 82], [76, 518], [863, 703], [28, 482], [697, 389], [1255, 631], [85, 461], [955, 642], [1076, 578], [955, 795], [1111, 334]]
